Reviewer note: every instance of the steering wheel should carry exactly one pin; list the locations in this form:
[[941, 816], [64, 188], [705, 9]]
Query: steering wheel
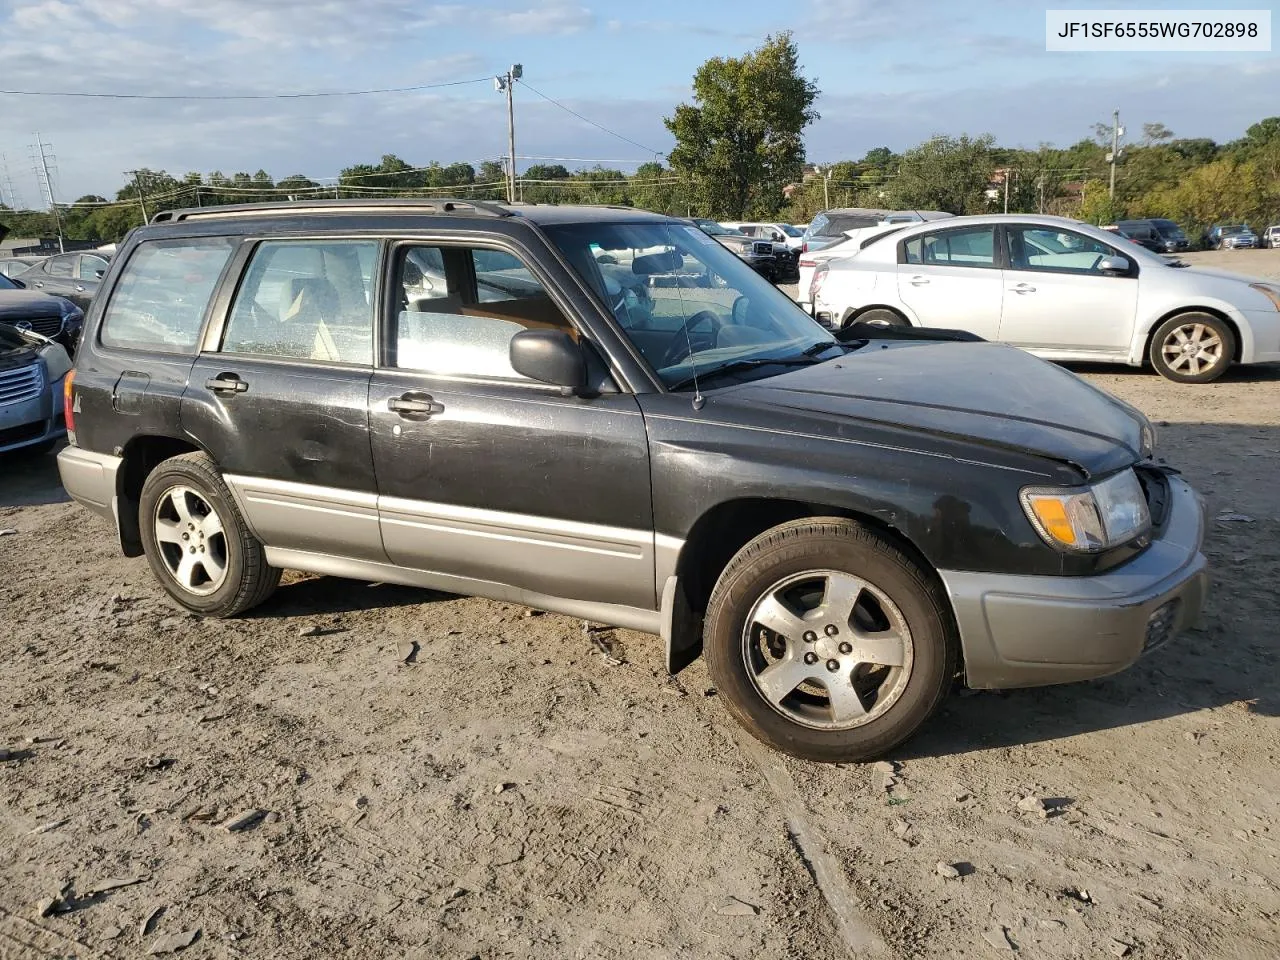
[[679, 348]]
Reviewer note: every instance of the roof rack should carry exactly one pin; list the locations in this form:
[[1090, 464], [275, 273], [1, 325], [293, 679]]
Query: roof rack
[[480, 208]]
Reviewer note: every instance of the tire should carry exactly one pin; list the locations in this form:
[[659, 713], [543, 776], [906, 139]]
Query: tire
[[786, 569], [1175, 335], [880, 317], [174, 524]]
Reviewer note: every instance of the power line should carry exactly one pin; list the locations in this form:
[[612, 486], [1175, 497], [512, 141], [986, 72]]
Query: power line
[[598, 126], [238, 96]]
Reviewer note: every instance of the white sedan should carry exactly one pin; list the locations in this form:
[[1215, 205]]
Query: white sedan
[[1061, 289]]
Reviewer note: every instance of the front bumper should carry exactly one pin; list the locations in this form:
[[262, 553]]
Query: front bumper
[[33, 421], [1021, 631]]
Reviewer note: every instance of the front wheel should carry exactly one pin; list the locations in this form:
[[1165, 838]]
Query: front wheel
[[197, 543], [1192, 348], [827, 642]]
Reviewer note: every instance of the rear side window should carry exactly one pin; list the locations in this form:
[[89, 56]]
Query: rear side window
[[306, 299], [955, 248], [58, 267], [160, 300]]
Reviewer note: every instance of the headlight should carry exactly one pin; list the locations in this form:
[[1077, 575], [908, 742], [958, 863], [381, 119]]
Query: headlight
[[1089, 519], [1148, 440], [1272, 293]]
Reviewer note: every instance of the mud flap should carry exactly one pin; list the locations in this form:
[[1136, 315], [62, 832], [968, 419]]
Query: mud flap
[[681, 627]]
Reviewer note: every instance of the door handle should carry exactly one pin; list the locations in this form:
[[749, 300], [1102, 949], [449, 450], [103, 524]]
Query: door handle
[[37, 283], [919, 281], [1023, 288], [227, 383], [79, 288], [414, 406]]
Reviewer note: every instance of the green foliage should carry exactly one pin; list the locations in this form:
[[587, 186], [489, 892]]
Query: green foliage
[[740, 142], [946, 173]]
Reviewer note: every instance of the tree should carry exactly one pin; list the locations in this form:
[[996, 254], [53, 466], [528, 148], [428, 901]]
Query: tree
[[946, 173], [1153, 133], [740, 141]]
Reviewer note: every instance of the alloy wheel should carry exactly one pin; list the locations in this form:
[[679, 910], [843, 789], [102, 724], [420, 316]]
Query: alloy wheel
[[827, 649], [1192, 348], [191, 539]]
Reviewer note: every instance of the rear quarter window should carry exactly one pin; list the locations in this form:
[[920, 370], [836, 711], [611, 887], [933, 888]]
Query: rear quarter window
[[160, 299]]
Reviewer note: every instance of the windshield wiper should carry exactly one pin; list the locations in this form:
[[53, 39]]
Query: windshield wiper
[[814, 349], [735, 366]]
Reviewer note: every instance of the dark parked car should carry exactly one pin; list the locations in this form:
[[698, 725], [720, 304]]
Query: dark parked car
[[757, 254], [72, 275], [1143, 233], [31, 387], [842, 527], [13, 266], [1171, 235], [53, 317]]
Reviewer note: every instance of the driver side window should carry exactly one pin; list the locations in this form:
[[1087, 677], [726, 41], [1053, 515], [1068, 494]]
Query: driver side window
[[1051, 250]]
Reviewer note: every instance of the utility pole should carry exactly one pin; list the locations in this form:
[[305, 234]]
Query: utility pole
[[1117, 132], [507, 82], [1008, 175], [142, 199], [48, 189], [826, 187]]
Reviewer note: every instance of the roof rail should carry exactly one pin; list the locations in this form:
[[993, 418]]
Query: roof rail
[[441, 205]]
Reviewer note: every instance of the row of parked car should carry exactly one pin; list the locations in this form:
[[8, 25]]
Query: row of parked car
[[1056, 287], [1161, 235], [42, 307]]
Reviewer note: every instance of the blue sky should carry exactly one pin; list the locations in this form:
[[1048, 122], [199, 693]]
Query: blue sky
[[891, 73]]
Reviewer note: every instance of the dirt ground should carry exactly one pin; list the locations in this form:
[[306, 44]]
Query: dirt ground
[[506, 789]]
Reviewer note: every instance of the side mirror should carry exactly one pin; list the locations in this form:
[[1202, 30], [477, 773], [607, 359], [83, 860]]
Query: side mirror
[[1114, 265], [550, 356], [99, 274]]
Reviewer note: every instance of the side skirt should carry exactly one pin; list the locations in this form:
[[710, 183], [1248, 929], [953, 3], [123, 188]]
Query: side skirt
[[631, 618]]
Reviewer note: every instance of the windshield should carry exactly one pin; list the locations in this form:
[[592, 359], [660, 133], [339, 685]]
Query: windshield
[[789, 230], [1167, 228], [688, 304], [1235, 228], [717, 230]]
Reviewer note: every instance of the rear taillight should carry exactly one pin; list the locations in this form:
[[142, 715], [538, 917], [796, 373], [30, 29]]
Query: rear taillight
[[815, 285], [68, 403], [804, 247]]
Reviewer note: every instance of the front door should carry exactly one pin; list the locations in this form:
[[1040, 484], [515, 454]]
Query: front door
[[485, 475], [951, 278], [280, 400], [1056, 301]]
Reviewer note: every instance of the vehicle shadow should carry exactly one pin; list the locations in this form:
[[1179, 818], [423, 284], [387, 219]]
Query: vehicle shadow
[[326, 596], [30, 480], [1230, 660]]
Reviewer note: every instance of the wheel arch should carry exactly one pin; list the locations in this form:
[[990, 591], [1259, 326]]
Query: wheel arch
[[853, 313], [723, 530], [141, 455], [1213, 311]]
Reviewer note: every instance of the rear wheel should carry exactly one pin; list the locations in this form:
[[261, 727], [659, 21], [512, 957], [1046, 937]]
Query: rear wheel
[[1192, 348], [827, 642], [881, 317], [197, 543]]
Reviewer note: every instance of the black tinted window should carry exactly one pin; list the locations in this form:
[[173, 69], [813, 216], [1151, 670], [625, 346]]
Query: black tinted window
[[160, 299], [837, 225], [955, 248]]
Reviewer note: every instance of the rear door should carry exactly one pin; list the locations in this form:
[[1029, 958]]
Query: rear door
[[1056, 301], [279, 395], [952, 278], [485, 475]]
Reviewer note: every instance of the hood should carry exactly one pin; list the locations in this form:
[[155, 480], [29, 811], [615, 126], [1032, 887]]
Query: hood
[[727, 240], [26, 304], [1235, 279], [984, 393]]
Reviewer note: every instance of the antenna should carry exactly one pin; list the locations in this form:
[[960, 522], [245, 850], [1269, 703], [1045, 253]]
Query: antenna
[[699, 401]]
